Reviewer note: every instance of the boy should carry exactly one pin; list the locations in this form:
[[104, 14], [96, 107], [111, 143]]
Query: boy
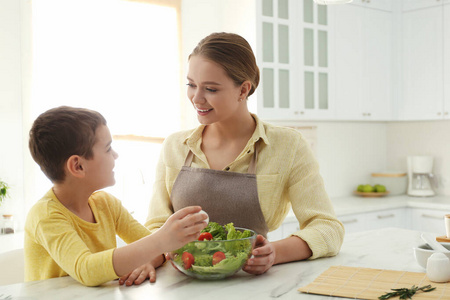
[[72, 229]]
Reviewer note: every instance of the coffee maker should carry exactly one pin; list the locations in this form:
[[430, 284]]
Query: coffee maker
[[420, 176]]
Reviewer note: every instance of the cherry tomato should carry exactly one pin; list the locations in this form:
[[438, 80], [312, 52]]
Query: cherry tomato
[[218, 257], [188, 260], [205, 236]]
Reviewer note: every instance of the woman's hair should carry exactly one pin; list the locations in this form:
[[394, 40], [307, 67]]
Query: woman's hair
[[233, 53], [61, 132]]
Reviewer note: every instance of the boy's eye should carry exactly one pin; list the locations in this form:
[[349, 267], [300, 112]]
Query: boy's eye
[[190, 85], [109, 149], [211, 90]]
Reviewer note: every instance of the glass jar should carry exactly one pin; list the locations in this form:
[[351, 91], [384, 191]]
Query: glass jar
[[7, 224]]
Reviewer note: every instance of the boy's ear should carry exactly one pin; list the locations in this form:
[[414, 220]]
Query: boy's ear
[[74, 166]]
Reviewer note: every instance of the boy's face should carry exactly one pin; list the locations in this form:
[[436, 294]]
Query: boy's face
[[99, 169]]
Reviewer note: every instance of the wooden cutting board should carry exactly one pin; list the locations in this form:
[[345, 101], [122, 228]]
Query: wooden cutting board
[[364, 283], [444, 239]]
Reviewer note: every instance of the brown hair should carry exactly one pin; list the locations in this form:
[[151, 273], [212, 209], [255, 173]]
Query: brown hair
[[233, 53], [61, 132]]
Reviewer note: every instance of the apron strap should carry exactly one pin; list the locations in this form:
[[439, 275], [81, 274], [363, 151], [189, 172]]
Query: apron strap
[[251, 166]]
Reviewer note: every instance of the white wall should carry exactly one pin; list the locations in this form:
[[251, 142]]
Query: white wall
[[348, 152], [421, 138], [11, 141]]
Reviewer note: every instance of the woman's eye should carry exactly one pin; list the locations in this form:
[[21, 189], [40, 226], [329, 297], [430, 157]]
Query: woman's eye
[[211, 90], [109, 149], [190, 85]]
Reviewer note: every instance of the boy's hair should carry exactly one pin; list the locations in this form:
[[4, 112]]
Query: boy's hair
[[61, 132]]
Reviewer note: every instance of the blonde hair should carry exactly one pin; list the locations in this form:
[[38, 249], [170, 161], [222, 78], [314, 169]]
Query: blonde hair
[[233, 53]]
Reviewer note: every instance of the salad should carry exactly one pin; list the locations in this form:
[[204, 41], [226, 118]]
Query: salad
[[220, 250]]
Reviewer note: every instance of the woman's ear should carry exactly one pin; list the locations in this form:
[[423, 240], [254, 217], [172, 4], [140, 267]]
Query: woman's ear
[[74, 166], [245, 89]]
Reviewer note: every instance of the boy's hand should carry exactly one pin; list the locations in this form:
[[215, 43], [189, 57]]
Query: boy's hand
[[139, 275], [182, 227]]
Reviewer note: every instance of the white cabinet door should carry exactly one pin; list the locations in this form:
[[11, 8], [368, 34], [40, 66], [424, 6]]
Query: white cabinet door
[[428, 220], [374, 220], [348, 33], [377, 66], [447, 60], [354, 222], [422, 65], [362, 67], [387, 218], [293, 57]]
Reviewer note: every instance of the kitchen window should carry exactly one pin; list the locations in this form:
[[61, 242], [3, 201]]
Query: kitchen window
[[119, 57]]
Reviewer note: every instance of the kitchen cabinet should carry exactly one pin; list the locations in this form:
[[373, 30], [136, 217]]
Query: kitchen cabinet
[[353, 222], [362, 63], [374, 220], [428, 220], [446, 64], [425, 63], [293, 56]]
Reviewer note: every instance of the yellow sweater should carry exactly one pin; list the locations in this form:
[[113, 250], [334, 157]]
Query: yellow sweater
[[59, 243], [287, 175]]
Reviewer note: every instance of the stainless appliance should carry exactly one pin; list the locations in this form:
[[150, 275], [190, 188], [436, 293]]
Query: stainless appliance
[[420, 176]]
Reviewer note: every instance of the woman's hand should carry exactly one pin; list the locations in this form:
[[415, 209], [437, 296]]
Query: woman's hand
[[140, 274], [264, 257]]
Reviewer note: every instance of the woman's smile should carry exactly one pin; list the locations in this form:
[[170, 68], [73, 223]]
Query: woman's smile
[[203, 111]]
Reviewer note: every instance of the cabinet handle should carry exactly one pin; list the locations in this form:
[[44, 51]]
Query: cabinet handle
[[369, 113], [349, 221], [385, 216], [431, 216], [446, 113], [438, 113]]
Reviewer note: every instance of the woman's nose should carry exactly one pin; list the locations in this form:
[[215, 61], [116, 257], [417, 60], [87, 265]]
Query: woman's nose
[[115, 154], [198, 97]]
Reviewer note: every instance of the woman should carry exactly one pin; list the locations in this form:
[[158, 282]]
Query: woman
[[240, 169]]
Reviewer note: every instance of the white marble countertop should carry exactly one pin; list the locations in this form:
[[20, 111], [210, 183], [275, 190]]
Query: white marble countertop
[[389, 248]]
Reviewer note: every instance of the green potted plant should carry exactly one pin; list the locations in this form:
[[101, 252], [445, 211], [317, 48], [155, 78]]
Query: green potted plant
[[4, 191]]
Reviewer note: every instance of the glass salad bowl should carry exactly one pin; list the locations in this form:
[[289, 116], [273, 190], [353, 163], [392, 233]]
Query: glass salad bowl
[[220, 252]]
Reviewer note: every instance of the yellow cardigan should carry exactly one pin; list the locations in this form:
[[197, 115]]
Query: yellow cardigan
[[59, 243], [287, 175]]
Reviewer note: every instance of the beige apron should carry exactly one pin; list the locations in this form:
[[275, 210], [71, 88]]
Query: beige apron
[[226, 196]]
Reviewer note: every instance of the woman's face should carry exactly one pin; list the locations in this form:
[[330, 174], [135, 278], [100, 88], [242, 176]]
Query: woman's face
[[213, 94]]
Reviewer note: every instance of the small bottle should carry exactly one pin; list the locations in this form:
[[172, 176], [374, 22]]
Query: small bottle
[[8, 224]]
